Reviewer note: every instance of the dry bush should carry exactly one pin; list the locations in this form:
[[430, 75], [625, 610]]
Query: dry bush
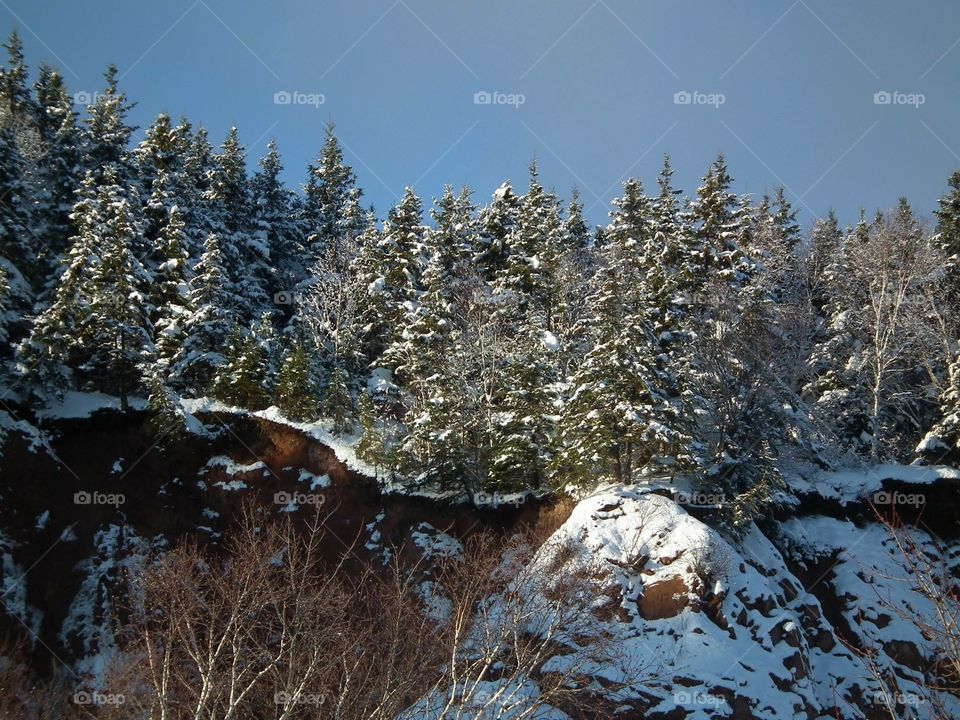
[[268, 628], [550, 516]]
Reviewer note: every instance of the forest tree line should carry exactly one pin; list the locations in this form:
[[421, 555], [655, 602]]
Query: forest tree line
[[495, 347]]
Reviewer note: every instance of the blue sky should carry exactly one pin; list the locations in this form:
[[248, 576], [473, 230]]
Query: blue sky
[[785, 89]]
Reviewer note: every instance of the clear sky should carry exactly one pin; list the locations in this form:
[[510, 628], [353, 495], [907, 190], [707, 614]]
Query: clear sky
[[785, 89]]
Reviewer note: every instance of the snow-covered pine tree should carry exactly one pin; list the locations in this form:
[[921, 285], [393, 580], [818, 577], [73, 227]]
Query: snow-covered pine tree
[[246, 257], [56, 173], [947, 241], [401, 247], [497, 222], [617, 419], [525, 300], [337, 399], [571, 281], [418, 348], [18, 254], [169, 291], [206, 329], [718, 221], [331, 205], [241, 379], [420, 352], [275, 225], [44, 355], [107, 133], [15, 99], [295, 391], [167, 420], [116, 328], [98, 323], [193, 196], [161, 151], [370, 447], [948, 233]]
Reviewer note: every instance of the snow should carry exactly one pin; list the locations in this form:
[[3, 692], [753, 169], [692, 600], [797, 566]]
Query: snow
[[320, 431], [316, 481], [435, 543], [766, 625], [117, 549], [854, 484], [230, 467], [83, 404]]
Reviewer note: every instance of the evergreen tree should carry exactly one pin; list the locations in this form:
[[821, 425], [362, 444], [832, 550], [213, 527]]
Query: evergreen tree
[[170, 292], [618, 419], [295, 392], [117, 324], [497, 223], [57, 171], [240, 379], [401, 246], [15, 97], [108, 134], [274, 224], [207, 328], [246, 257], [98, 322], [168, 420], [18, 256], [948, 232], [337, 401], [332, 200], [370, 447]]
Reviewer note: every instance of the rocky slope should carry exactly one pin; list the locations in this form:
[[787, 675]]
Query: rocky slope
[[759, 627]]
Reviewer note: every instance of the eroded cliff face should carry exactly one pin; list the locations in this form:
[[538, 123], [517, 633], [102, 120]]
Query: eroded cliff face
[[757, 628], [76, 507]]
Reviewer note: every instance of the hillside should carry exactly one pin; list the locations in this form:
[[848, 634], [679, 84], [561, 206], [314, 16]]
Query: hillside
[[764, 626]]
